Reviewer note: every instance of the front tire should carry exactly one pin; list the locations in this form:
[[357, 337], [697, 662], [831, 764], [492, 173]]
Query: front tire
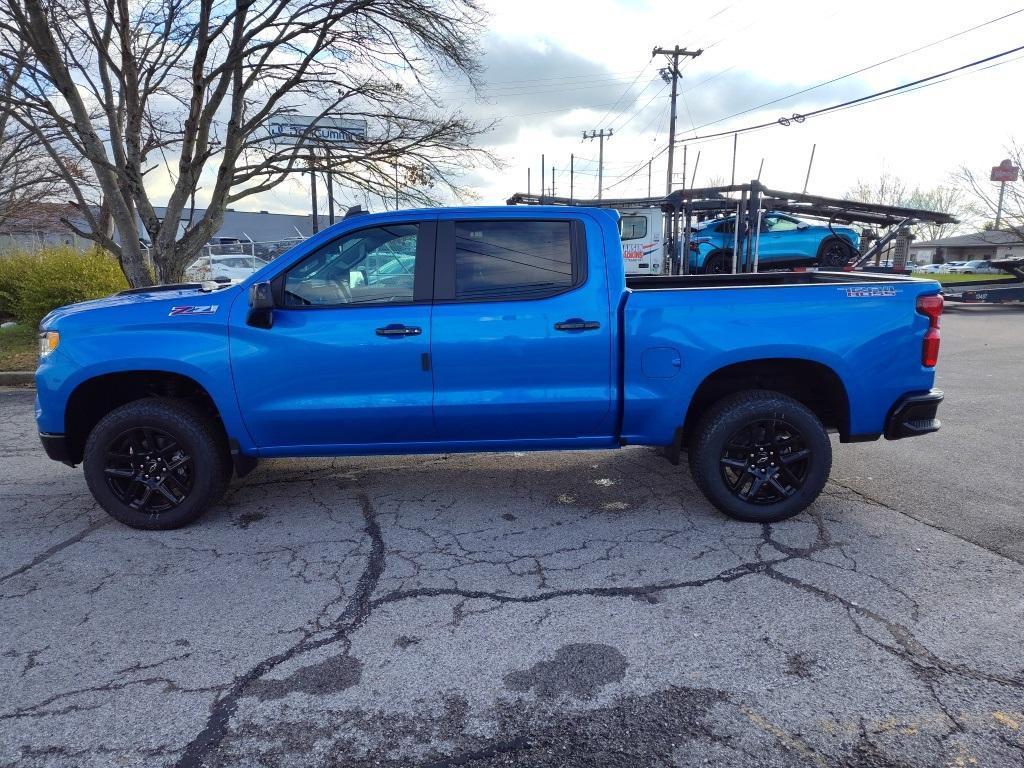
[[760, 456], [156, 463]]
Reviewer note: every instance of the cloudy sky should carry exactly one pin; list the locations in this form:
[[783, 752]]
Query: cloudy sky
[[554, 68]]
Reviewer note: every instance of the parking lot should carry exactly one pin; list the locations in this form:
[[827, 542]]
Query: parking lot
[[571, 609]]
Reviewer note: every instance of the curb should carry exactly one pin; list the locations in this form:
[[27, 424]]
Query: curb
[[17, 378]]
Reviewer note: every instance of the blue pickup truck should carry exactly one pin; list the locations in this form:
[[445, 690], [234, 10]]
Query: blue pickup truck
[[482, 329]]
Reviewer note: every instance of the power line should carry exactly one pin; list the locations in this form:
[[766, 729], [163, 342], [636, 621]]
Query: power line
[[637, 112], [799, 118], [628, 89], [861, 70]]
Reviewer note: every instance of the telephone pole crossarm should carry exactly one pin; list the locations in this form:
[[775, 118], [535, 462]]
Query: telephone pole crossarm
[[671, 74], [600, 135]]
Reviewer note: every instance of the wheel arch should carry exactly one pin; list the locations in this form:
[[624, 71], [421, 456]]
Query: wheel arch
[[98, 395], [812, 383]]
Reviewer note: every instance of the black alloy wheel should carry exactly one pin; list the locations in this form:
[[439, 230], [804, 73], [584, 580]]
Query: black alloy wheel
[[834, 253], [718, 263], [765, 462], [148, 470]]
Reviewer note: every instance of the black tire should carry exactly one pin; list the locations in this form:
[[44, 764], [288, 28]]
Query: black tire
[[760, 456], [834, 253], [718, 263], [163, 446]]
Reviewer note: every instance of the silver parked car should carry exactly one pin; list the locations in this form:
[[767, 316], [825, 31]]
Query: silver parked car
[[976, 267], [235, 267]]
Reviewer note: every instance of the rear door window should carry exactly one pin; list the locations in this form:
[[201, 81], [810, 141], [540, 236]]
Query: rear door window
[[513, 259]]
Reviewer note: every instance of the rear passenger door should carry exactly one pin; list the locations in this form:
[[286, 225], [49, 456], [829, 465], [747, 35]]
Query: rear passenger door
[[521, 332]]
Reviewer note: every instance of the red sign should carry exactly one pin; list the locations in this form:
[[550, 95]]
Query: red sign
[[1005, 171]]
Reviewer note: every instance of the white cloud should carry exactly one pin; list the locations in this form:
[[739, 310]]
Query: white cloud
[[556, 67]]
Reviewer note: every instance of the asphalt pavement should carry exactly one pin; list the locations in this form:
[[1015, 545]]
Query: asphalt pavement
[[572, 609]]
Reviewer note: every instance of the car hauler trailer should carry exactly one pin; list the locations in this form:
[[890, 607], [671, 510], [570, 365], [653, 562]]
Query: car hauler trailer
[[998, 291], [683, 209]]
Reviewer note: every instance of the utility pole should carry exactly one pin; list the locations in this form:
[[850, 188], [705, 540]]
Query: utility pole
[[600, 136], [735, 139], [542, 175], [552, 180], [528, 180], [649, 162], [671, 74], [684, 166], [807, 178], [572, 173], [312, 194]]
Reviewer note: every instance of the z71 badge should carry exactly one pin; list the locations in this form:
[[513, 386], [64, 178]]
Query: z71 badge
[[209, 309]]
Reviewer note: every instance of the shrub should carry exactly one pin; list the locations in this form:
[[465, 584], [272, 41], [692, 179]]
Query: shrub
[[33, 283]]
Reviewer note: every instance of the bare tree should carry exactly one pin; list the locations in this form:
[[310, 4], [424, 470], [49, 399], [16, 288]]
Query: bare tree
[[984, 196], [889, 189], [893, 190], [172, 98], [27, 175]]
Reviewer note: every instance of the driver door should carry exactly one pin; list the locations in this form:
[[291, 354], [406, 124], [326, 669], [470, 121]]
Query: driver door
[[344, 365], [779, 238]]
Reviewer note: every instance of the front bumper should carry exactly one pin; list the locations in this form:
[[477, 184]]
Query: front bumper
[[914, 415], [56, 447]]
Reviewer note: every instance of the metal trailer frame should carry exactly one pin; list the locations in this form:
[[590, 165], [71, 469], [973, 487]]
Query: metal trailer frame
[[996, 292], [748, 202]]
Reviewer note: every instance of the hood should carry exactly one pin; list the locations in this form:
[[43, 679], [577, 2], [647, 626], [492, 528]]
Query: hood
[[185, 293]]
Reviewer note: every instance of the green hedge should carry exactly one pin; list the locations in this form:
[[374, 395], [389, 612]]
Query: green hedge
[[33, 283]]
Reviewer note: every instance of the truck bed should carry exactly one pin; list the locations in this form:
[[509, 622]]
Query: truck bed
[[656, 282]]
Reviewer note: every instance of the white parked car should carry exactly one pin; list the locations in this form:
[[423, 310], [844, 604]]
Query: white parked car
[[977, 267], [234, 267], [930, 268], [950, 264]]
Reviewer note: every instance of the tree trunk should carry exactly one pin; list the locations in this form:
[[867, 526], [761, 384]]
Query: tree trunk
[[133, 263]]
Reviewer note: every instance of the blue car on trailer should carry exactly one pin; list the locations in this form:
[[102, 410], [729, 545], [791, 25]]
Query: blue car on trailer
[[783, 241], [482, 329]]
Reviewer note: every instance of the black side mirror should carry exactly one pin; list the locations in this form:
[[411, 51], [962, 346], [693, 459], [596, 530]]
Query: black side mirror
[[261, 306]]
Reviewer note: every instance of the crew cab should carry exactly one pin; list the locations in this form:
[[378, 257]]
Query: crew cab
[[483, 329], [782, 241]]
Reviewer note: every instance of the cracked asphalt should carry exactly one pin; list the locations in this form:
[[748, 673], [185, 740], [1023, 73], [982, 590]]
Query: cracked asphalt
[[574, 609]]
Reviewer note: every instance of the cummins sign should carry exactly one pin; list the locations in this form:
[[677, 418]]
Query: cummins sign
[[325, 131]]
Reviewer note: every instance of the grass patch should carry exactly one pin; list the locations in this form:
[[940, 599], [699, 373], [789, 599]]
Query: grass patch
[[19, 348], [938, 276]]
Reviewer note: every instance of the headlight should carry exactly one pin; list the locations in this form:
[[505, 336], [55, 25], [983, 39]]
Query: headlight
[[48, 341]]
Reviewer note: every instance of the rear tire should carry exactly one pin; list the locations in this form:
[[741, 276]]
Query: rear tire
[[834, 253], [760, 456], [718, 263], [156, 463]]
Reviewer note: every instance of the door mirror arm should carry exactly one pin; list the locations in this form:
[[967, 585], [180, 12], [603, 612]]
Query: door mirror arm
[[261, 306]]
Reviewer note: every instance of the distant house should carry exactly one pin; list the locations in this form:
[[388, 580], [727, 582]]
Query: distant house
[[980, 245], [39, 224], [255, 226]]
